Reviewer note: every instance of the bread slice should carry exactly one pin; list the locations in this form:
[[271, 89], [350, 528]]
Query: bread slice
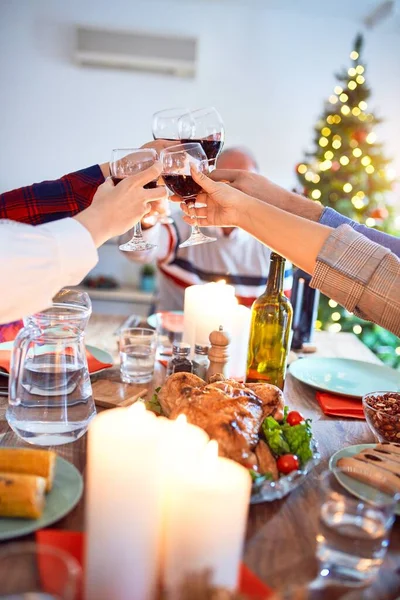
[[372, 475]]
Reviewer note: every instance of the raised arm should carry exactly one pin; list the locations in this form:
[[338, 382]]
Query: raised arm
[[265, 190], [356, 272]]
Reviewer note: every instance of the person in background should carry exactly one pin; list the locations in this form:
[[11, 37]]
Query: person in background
[[236, 257], [360, 274]]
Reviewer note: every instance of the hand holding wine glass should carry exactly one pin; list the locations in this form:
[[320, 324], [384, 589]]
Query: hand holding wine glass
[[140, 163], [176, 163], [224, 205], [115, 209]]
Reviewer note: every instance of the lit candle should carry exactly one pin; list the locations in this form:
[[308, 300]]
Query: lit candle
[[206, 522], [206, 307], [238, 348], [124, 505]]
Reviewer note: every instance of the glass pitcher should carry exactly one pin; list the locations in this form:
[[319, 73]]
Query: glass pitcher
[[50, 395]]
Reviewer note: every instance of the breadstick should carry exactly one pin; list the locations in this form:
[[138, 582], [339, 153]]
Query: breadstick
[[388, 447], [373, 458], [21, 495], [28, 461], [371, 475]]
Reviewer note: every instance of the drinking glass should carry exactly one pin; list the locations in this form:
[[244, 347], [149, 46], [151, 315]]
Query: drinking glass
[[206, 127], [137, 351], [353, 534], [124, 163], [165, 123], [29, 570], [176, 162]]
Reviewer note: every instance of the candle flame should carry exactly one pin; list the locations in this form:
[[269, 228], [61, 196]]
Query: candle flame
[[221, 282]]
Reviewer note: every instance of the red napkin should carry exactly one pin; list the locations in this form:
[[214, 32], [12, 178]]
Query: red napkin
[[340, 406], [93, 364], [72, 542]]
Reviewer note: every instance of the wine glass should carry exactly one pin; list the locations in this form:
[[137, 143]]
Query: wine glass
[[165, 123], [176, 162], [124, 163], [206, 127], [165, 126]]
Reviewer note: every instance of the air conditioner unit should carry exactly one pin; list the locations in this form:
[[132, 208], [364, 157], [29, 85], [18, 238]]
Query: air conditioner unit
[[137, 51]]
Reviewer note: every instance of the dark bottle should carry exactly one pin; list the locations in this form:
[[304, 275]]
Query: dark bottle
[[305, 302], [180, 362], [271, 322]]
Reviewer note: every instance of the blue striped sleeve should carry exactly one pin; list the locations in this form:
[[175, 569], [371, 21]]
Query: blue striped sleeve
[[331, 218]]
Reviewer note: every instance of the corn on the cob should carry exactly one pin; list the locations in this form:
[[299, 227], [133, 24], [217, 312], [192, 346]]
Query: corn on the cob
[[28, 461], [21, 495]]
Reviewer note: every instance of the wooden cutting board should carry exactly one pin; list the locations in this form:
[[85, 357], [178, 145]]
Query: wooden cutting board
[[113, 394]]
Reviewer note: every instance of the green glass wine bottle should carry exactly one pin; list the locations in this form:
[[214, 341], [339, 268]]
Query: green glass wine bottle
[[271, 322]]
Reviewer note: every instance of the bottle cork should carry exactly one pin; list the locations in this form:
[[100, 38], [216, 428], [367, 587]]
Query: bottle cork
[[218, 353]]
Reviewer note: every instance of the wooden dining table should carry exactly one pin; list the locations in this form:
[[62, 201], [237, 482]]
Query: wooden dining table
[[281, 535]]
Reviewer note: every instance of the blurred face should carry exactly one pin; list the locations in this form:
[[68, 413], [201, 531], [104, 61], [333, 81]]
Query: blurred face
[[236, 160]]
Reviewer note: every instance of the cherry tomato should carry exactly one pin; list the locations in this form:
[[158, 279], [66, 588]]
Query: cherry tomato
[[294, 418], [287, 463]]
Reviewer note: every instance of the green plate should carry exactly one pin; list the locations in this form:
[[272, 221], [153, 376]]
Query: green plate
[[358, 489], [66, 493], [345, 377], [100, 355]]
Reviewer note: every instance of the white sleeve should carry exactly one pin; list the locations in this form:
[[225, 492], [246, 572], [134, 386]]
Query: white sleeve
[[37, 261]]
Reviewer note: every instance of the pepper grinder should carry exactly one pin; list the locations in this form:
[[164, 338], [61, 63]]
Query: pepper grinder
[[218, 352]]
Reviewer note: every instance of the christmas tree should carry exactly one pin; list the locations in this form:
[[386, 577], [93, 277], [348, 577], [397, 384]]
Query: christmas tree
[[348, 171]]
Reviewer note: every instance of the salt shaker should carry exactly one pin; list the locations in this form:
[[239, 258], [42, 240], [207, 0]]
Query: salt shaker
[[180, 362], [218, 353], [200, 361]]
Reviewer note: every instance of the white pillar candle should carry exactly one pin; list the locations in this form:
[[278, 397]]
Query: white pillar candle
[[124, 507], [206, 522], [238, 348], [206, 307]]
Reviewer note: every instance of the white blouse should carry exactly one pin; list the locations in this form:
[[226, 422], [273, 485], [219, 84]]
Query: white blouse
[[37, 261]]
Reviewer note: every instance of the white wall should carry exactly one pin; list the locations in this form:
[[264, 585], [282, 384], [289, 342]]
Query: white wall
[[268, 72]]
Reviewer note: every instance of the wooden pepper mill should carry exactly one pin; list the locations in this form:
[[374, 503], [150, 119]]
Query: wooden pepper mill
[[218, 353]]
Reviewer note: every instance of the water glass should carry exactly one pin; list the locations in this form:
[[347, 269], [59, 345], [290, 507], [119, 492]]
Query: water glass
[[353, 533], [137, 351], [29, 571]]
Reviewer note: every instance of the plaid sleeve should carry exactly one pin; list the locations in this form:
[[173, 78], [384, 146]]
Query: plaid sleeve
[[361, 275], [51, 200]]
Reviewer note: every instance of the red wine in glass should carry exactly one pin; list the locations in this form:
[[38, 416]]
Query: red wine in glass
[[183, 186], [148, 186], [151, 185], [212, 148]]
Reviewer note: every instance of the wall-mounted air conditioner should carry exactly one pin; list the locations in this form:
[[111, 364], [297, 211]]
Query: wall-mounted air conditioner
[[170, 55]]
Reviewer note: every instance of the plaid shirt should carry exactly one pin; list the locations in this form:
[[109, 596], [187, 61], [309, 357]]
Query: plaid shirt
[[362, 276], [48, 201], [51, 200]]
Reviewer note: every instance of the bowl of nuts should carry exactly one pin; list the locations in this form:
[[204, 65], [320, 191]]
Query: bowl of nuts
[[382, 413]]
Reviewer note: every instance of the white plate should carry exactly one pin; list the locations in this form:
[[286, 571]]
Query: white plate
[[358, 489]]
